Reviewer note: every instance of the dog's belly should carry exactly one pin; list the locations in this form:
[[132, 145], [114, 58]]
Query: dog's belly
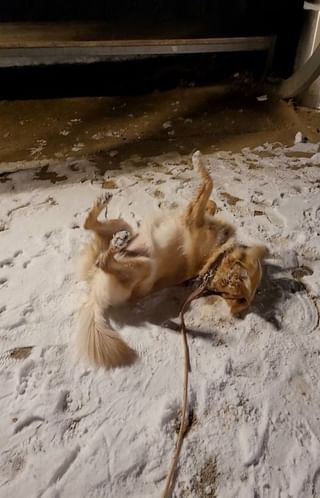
[[139, 246], [156, 236], [163, 239], [170, 238]]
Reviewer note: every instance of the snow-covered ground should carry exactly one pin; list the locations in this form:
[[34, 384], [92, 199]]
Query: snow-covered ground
[[71, 431]]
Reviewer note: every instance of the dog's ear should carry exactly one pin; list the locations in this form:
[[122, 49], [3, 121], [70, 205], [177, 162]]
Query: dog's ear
[[243, 292], [237, 306], [237, 280], [239, 276], [232, 279], [252, 262], [237, 290]]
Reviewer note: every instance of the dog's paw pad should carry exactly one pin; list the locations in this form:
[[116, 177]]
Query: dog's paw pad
[[121, 239]]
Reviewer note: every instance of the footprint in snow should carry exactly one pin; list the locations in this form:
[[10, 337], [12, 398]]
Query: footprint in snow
[[25, 375], [28, 310], [6, 262]]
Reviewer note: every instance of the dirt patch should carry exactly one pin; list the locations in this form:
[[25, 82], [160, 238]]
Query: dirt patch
[[253, 165], [204, 483], [173, 205], [192, 420], [52, 176], [264, 154], [74, 167], [109, 184], [4, 178], [302, 271], [230, 199], [102, 162], [299, 154], [158, 194], [21, 353]]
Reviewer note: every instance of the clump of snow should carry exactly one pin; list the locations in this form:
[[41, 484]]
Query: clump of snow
[[166, 125], [78, 146], [299, 138], [113, 153], [308, 147], [38, 148], [68, 430]]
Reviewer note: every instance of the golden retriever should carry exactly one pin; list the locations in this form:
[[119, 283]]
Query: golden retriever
[[122, 266]]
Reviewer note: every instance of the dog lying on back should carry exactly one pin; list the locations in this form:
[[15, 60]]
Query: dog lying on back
[[122, 266]]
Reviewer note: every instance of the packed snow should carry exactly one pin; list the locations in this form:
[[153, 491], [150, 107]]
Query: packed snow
[[72, 431]]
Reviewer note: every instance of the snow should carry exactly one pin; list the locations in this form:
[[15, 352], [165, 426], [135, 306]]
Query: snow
[[67, 430]]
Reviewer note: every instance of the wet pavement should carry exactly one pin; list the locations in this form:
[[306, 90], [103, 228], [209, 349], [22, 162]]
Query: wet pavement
[[112, 129]]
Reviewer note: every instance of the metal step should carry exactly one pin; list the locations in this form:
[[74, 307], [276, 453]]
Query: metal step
[[24, 44]]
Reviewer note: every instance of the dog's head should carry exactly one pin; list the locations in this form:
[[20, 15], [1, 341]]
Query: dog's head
[[238, 276]]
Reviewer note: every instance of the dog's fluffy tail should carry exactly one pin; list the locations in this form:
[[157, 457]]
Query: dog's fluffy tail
[[85, 262], [98, 342]]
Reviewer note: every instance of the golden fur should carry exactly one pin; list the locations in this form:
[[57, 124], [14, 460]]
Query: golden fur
[[168, 250]]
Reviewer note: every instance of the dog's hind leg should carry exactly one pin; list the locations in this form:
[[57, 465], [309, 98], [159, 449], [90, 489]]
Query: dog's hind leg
[[195, 213], [128, 269]]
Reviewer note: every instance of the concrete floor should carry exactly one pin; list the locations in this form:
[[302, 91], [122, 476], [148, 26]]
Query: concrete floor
[[111, 129]]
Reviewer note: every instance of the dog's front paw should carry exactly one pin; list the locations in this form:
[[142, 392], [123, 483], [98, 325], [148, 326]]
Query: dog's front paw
[[196, 160], [100, 261], [103, 201], [121, 239]]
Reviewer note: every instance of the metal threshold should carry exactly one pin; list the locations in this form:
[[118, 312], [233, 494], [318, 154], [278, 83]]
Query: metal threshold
[[29, 47]]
